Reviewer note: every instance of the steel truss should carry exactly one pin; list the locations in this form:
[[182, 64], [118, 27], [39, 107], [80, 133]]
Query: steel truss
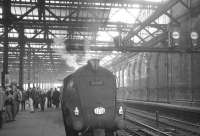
[[81, 25], [161, 34], [76, 23], [150, 42]]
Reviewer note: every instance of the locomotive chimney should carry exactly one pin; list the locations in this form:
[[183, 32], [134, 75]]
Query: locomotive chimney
[[94, 63]]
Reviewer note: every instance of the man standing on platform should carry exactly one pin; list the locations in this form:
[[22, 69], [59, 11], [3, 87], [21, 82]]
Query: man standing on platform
[[56, 98], [2, 100], [49, 98], [42, 99], [15, 107], [9, 104], [24, 98]]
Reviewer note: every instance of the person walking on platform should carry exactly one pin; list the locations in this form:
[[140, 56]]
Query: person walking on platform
[[2, 101], [29, 101], [24, 98], [9, 104], [14, 102], [35, 98], [49, 98], [56, 98], [18, 98], [42, 100]]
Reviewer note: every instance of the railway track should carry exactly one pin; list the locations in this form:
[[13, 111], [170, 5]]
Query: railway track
[[143, 129], [148, 124]]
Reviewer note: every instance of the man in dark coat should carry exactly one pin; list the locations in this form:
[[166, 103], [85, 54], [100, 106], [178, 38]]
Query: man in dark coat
[[35, 97], [2, 101], [42, 100], [49, 98], [9, 104], [24, 98], [56, 98]]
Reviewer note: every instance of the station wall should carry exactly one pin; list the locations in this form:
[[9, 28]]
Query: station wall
[[161, 77], [164, 77]]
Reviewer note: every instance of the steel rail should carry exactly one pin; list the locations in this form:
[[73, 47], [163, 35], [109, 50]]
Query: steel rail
[[154, 130], [150, 117]]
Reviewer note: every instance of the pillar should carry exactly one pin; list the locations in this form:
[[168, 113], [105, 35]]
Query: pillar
[[21, 57]]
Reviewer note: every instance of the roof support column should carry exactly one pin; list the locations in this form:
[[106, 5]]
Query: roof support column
[[29, 67], [5, 57], [6, 13], [34, 69], [21, 57]]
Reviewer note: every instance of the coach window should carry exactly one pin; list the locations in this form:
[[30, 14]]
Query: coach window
[[144, 66], [117, 79], [119, 74], [137, 68], [133, 72], [121, 78], [129, 74], [125, 76]]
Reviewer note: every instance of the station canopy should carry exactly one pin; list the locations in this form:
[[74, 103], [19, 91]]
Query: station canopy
[[66, 33]]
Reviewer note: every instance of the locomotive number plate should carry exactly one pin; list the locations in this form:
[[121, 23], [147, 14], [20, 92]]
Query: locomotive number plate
[[96, 83], [99, 110]]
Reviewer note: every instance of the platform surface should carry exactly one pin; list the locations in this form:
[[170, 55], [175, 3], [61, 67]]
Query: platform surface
[[48, 123]]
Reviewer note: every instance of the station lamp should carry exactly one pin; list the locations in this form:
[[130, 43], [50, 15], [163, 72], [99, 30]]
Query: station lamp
[[175, 38], [174, 35], [194, 38]]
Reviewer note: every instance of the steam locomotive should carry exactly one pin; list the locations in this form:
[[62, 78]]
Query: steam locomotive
[[89, 102]]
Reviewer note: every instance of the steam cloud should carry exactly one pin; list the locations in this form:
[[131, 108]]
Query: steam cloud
[[59, 48]]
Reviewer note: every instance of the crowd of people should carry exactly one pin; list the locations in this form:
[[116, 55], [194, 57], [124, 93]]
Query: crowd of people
[[33, 99]]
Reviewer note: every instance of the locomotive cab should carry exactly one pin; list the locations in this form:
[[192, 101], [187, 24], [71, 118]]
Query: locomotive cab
[[89, 100]]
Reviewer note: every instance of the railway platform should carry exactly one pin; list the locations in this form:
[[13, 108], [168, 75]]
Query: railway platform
[[48, 123]]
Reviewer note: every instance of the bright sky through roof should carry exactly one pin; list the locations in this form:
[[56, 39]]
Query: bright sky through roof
[[118, 15], [106, 36], [155, 0], [124, 15]]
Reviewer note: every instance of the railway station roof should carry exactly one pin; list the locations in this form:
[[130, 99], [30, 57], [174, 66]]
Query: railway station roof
[[55, 31]]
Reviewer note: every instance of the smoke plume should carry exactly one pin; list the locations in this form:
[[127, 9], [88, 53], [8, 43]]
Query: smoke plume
[[60, 49]]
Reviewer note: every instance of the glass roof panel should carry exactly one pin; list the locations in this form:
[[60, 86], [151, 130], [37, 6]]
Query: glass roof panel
[[103, 38], [124, 15], [0, 10]]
